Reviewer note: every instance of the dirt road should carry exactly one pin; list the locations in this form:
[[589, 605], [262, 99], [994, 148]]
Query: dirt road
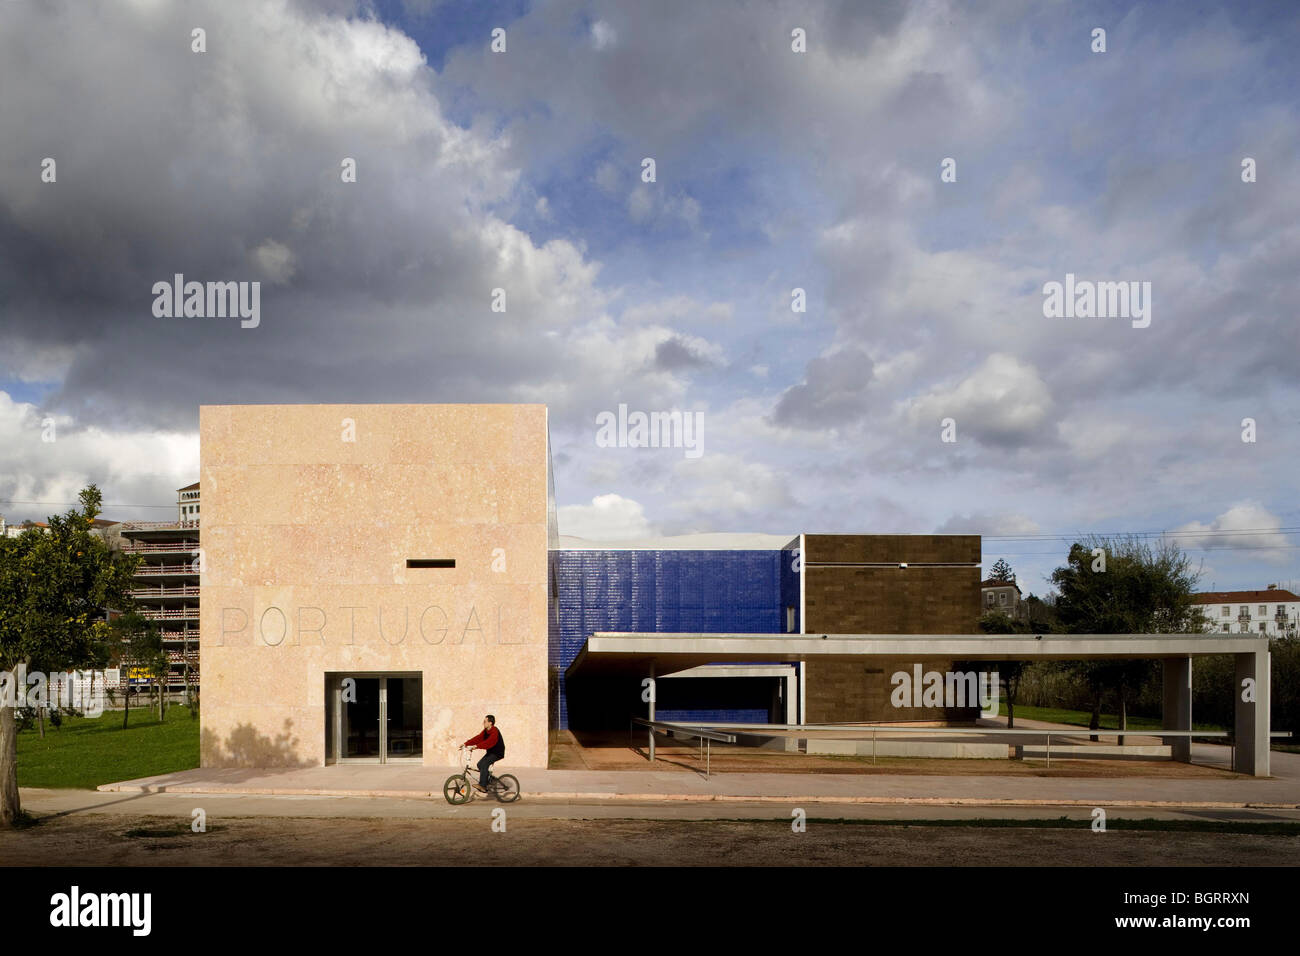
[[118, 839]]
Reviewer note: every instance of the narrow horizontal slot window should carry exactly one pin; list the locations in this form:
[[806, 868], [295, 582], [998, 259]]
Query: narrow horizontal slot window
[[430, 562]]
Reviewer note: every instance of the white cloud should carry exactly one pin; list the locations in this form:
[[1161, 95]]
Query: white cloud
[[649, 202], [603, 36], [639, 203], [720, 490], [275, 261], [131, 466], [679, 309], [989, 523], [1094, 439], [1258, 527], [609, 517], [607, 177], [1003, 402]]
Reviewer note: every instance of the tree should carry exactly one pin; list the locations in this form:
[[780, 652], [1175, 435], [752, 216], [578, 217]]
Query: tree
[[1037, 617], [1001, 571], [191, 697], [1124, 586], [135, 645], [54, 588], [1009, 671]]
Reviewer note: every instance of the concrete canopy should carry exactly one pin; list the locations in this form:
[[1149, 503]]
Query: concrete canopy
[[610, 653]]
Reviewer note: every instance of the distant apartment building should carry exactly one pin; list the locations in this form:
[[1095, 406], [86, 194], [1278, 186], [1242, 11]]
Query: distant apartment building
[[104, 527], [1273, 612], [166, 585], [1003, 596], [14, 530]]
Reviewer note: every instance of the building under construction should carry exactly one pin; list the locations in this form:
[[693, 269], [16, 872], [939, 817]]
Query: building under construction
[[166, 584]]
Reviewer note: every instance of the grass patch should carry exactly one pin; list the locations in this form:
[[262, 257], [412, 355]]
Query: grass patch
[[88, 751], [1081, 718]]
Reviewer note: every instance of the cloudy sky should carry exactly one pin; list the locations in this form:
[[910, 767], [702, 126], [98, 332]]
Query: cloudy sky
[[775, 170]]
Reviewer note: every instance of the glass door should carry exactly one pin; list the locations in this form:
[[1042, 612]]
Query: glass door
[[373, 718], [361, 718], [403, 718]]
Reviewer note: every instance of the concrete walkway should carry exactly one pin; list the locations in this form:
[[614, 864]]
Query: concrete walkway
[[1282, 791]]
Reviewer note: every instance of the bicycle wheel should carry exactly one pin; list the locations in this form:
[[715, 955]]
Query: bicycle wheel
[[507, 788], [457, 790]]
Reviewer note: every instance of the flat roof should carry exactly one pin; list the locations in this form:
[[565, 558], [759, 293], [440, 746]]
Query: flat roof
[[709, 541], [612, 653], [1269, 596]]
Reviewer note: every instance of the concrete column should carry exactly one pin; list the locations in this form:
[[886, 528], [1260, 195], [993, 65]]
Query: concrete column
[[1176, 714], [792, 707], [1251, 725], [652, 711], [804, 691]]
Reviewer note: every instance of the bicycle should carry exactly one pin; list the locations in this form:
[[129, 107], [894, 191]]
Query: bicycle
[[459, 788]]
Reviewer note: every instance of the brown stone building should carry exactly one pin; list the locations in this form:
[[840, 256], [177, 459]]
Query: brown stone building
[[884, 584]]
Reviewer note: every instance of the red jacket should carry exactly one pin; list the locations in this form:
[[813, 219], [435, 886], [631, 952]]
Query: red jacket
[[488, 740]]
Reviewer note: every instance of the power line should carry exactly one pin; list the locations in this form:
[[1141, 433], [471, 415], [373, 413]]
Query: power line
[[1027, 536], [1280, 547], [1209, 533], [73, 504]]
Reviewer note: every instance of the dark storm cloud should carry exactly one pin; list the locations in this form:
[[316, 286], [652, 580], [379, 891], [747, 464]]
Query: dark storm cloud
[[230, 170], [833, 393], [675, 354]]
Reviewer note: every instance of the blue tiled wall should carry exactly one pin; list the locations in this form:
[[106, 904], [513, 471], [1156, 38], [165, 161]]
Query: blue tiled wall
[[664, 591], [790, 582], [747, 701]]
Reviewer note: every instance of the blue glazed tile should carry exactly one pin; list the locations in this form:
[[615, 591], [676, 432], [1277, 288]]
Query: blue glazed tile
[[667, 591]]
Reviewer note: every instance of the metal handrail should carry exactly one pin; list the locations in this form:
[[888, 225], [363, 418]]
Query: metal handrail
[[1059, 732], [159, 525], [687, 728], [706, 737]]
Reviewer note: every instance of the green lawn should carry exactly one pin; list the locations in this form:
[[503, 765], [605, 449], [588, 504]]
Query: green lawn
[[1082, 718], [86, 752]]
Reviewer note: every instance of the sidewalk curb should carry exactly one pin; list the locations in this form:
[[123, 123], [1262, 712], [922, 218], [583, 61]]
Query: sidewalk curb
[[726, 798]]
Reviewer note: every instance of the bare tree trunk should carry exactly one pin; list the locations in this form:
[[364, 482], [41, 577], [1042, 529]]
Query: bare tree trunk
[[40, 719], [1012, 688], [1095, 723], [126, 702], [10, 806]]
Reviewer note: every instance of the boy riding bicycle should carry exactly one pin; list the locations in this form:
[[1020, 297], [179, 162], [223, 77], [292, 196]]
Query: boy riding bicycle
[[494, 745]]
